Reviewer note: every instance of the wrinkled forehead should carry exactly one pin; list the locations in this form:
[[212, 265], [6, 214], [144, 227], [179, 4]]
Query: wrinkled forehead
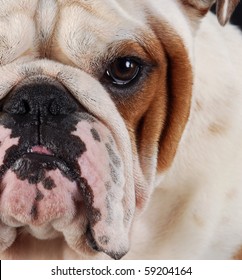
[[85, 29], [103, 20], [110, 11], [79, 32]]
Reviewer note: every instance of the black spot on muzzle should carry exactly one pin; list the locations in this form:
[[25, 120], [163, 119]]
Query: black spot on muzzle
[[45, 114], [42, 114]]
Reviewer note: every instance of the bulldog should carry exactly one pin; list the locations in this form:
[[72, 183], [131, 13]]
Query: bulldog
[[120, 130]]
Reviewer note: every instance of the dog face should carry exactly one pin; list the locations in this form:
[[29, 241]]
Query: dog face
[[95, 96]]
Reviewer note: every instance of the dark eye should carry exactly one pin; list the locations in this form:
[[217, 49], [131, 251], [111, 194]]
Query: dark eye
[[123, 70]]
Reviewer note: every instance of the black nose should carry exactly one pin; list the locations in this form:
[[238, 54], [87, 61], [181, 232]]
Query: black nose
[[40, 101]]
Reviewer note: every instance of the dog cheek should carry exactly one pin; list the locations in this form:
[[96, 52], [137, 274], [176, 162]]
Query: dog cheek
[[107, 194], [102, 173]]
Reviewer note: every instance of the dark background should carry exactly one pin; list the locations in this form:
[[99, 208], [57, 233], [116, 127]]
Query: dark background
[[237, 16]]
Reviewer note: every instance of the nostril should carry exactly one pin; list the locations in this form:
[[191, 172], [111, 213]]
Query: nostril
[[25, 107], [54, 108], [62, 106], [21, 107]]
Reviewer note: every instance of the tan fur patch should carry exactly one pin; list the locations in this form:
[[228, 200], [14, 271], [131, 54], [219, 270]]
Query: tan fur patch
[[238, 255], [217, 128], [179, 91], [145, 111], [193, 8]]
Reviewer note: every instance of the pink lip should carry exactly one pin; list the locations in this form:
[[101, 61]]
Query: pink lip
[[41, 150]]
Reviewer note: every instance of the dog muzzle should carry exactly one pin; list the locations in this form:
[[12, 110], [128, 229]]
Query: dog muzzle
[[61, 162]]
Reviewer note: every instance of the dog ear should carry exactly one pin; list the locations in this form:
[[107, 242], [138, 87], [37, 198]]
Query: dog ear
[[224, 8]]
